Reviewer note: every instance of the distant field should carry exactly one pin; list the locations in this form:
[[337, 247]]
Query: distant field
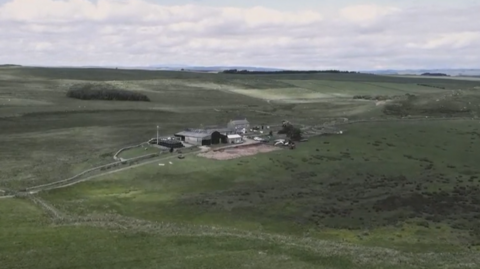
[[466, 78], [317, 90], [348, 88], [285, 94], [393, 190]]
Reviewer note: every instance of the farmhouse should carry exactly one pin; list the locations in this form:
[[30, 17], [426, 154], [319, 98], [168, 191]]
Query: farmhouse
[[239, 125]]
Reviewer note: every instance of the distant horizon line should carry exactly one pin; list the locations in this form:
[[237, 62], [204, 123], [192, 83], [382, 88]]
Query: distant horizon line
[[182, 66]]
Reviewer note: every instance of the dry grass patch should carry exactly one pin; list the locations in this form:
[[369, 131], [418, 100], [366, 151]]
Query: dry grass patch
[[284, 94]]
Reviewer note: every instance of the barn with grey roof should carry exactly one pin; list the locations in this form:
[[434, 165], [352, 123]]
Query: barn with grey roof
[[212, 135], [204, 136]]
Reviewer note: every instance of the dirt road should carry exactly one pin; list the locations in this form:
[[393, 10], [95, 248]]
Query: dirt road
[[32, 190]]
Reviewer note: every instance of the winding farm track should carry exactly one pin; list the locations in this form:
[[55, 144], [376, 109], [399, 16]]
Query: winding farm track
[[74, 182]]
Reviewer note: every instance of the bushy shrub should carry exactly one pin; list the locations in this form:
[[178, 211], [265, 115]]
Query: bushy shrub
[[432, 86], [103, 91], [370, 97], [292, 132]]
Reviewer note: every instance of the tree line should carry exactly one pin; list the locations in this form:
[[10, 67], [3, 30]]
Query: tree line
[[432, 86], [371, 97], [103, 91], [435, 74], [235, 71]]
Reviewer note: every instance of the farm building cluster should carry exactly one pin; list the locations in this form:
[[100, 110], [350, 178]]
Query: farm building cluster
[[238, 131], [233, 133], [214, 135], [238, 138]]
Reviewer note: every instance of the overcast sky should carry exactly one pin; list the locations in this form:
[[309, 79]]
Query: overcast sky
[[301, 34]]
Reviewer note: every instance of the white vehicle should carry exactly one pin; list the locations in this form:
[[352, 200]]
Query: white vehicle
[[259, 139], [279, 142]]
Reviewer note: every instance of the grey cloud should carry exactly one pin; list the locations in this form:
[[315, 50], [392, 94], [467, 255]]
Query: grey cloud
[[142, 33]]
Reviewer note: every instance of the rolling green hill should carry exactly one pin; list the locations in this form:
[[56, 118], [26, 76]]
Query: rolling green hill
[[388, 193]]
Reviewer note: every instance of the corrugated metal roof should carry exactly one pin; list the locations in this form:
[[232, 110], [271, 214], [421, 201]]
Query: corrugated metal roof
[[220, 130], [193, 134], [244, 121], [210, 127]]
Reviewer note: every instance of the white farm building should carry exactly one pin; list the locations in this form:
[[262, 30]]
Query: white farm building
[[234, 139]]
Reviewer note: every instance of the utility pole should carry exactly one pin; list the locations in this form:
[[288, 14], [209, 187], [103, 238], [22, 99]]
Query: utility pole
[[157, 134]]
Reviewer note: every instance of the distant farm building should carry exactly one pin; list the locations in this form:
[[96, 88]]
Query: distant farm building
[[239, 125]]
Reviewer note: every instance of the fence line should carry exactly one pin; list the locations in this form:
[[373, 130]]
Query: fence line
[[115, 157], [98, 168], [53, 211]]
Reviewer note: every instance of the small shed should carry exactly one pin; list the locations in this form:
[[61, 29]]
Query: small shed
[[234, 139], [218, 138]]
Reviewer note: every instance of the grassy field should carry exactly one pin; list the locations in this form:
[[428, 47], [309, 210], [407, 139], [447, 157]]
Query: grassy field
[[318, 201], [29, 241], [348, 182], [383, 195], [139, 151], [464, 78]]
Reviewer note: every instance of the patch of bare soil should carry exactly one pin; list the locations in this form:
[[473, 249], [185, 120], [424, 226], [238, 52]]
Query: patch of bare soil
[[204, 148], [381, 103], [232, 153]]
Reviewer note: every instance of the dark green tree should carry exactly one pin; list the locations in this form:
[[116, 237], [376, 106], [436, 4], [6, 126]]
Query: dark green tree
[[292, 132]]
